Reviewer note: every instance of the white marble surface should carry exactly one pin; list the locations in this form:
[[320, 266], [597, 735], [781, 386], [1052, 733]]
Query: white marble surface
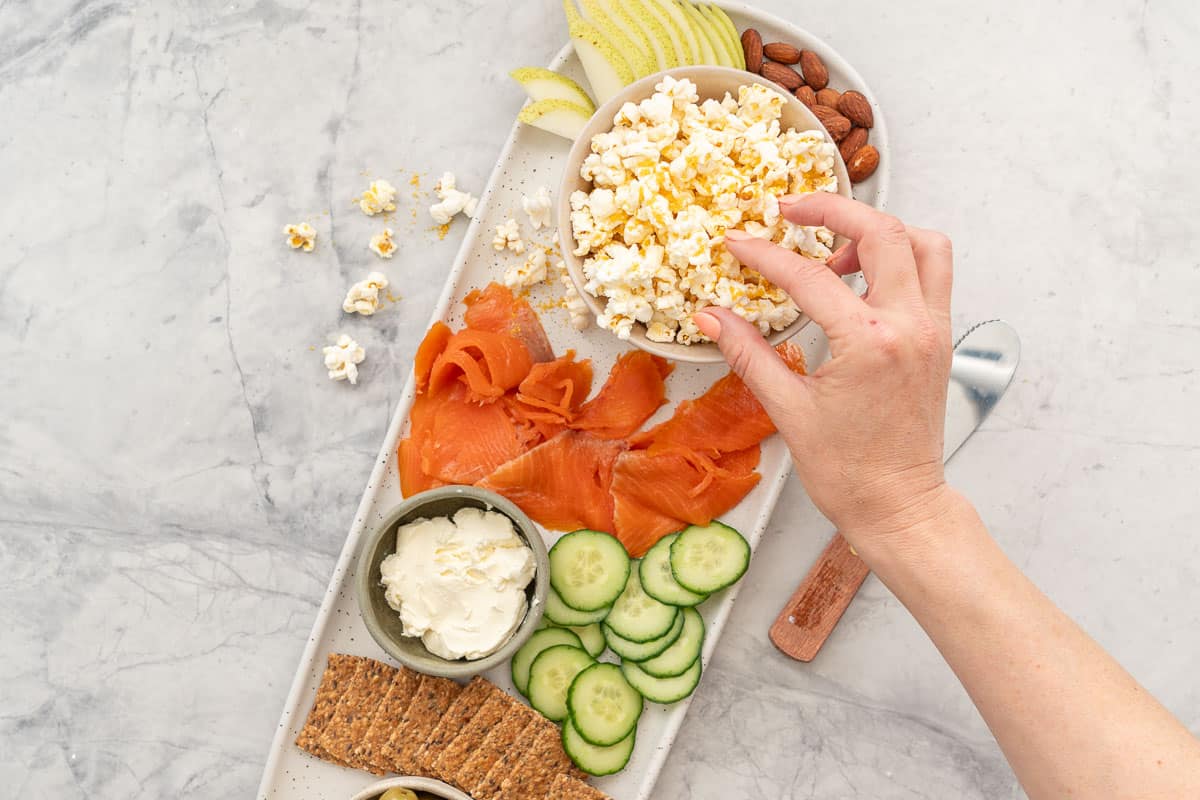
[[177, 475]]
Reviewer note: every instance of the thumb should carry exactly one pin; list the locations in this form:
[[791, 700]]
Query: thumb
[[753, 359]]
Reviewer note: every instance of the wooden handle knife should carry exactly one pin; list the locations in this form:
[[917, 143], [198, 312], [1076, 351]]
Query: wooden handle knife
[[814, 609]]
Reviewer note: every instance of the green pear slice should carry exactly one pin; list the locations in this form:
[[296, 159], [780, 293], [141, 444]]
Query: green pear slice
[[665, 51], [669, 12], [560, 117], [636, 51], [720, 37], [543, 84], [607, 70], [682, 47], [718, 15], [704, 37]]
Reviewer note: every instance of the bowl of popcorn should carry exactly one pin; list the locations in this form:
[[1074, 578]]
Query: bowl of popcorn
[[656, 178]]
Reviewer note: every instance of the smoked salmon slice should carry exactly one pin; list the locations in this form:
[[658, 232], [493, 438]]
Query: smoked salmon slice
[[564, 484], [635, 389], [464, 441], [488, 363], [495, 308], [556, 389], [428, 351]]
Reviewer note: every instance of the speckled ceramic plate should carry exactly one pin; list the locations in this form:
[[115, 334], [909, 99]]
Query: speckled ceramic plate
[[533, 158]]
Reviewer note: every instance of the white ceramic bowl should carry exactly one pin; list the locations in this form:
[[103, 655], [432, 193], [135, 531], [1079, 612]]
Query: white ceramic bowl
[[710, 82], [436, 788]]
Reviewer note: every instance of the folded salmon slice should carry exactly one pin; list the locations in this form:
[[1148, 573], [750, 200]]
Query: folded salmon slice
[[635, 389], [432, 346], [564, 484], [495, 308], [554, 390], [488, 363]]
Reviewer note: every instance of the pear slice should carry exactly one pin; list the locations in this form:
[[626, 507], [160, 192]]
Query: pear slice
[[665, 53], [619, 16], [641, 60], [560, 117], [680, 42], [543, 84], [719, 37], [607, 70], [674, 15], [718, 15], [708, 53]]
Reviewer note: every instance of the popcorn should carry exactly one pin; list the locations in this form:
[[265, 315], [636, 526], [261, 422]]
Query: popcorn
[[363, 297], [530, 273], [576, 308], [382, 244], [380, 196], [508, 235], [668, 180], [538, 207], [301, 236], [342, 359], [453, 202]]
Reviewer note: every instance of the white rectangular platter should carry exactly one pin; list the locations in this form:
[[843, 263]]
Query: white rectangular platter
[[532, 158]]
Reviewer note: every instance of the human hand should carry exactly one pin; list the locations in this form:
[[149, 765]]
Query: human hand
[[866, 428]]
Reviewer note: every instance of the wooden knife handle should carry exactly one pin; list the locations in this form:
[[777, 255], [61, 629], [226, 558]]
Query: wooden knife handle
[[816, 606]]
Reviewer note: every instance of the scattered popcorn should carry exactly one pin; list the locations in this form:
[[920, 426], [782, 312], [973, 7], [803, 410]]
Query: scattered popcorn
[[530, 273], [380, 196], [363, 297], [342, 359], [453, 202], [382, 244], [301, 236], [508, 234], [581, 318], [537, 206], [668, 180]]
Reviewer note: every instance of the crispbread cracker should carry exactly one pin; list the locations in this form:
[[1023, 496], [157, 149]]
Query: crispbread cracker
[[339, 671], [489, 788], [352, 716], [567, 788], [387, 718], [465, 706], [503, 735], [544, 761], [430, 701], [471, 736]]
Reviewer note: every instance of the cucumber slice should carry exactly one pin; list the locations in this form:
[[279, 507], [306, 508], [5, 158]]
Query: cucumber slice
[[604, 708], [662, 690], [657, 579], [638, 617], [539, 641], [676, 659], [588, 569], [592, 637], [640, 651], [596, 760], [550, 676], [560, 613], [706, 558]]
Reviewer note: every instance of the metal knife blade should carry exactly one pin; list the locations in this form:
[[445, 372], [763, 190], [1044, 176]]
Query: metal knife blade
[[985, 361]]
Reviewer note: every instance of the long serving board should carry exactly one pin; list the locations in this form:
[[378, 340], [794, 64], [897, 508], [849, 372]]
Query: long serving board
[[532, 158]]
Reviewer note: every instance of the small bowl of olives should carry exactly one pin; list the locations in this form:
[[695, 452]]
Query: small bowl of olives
[[410, 788]]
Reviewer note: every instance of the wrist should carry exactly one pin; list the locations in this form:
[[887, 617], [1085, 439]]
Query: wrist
[[910, 531]]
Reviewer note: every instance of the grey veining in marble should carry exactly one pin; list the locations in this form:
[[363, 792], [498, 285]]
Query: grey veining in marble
[[177, 474]]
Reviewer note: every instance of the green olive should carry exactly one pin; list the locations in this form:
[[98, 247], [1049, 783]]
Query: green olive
[[397, 793]]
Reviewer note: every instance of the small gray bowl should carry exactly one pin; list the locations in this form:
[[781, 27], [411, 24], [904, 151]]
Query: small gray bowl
[[429, 785], [384, 622]]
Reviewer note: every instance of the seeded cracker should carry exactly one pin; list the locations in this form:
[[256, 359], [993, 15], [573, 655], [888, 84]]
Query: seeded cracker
[[489, 787], [432, 698], [532, 777], [388, 717], [567, 788], [500, 738], [339, 671], [352, 715], [464, 707], [471, 736]]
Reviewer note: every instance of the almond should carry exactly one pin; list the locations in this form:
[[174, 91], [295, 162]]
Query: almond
[[829, 97], [837, 125], [806, 95], [782, 52], [752, 46], [863, 163], [855, 107], [813, 68], [854, 140], [786, 77]]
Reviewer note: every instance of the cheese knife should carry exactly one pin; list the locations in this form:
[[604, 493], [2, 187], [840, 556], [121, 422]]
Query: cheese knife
[[985, 360]]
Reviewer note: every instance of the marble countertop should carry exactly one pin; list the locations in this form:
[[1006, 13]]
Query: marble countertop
[[177, 475]]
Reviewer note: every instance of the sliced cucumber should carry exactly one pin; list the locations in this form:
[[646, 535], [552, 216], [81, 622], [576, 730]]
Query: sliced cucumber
[[560, 613], [595, 760], [640, 651], [706, 558], [662, 690], [550, 676], [588, 569], [676, 659], [659, 582], [638, 617], [539, 641], [604, 708], [592, 637]]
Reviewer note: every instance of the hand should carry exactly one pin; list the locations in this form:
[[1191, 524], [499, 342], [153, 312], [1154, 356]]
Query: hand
[[865, 429]]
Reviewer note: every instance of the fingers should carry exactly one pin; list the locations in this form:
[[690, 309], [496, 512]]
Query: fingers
[[753, 359], [815, 288], [935, 267], [881, 244]]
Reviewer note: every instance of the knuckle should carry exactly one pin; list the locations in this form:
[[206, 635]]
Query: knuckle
[[890, 230]]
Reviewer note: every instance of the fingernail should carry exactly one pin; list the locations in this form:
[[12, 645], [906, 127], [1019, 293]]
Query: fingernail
[[790, 200], [734, 235], [709, 325]]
